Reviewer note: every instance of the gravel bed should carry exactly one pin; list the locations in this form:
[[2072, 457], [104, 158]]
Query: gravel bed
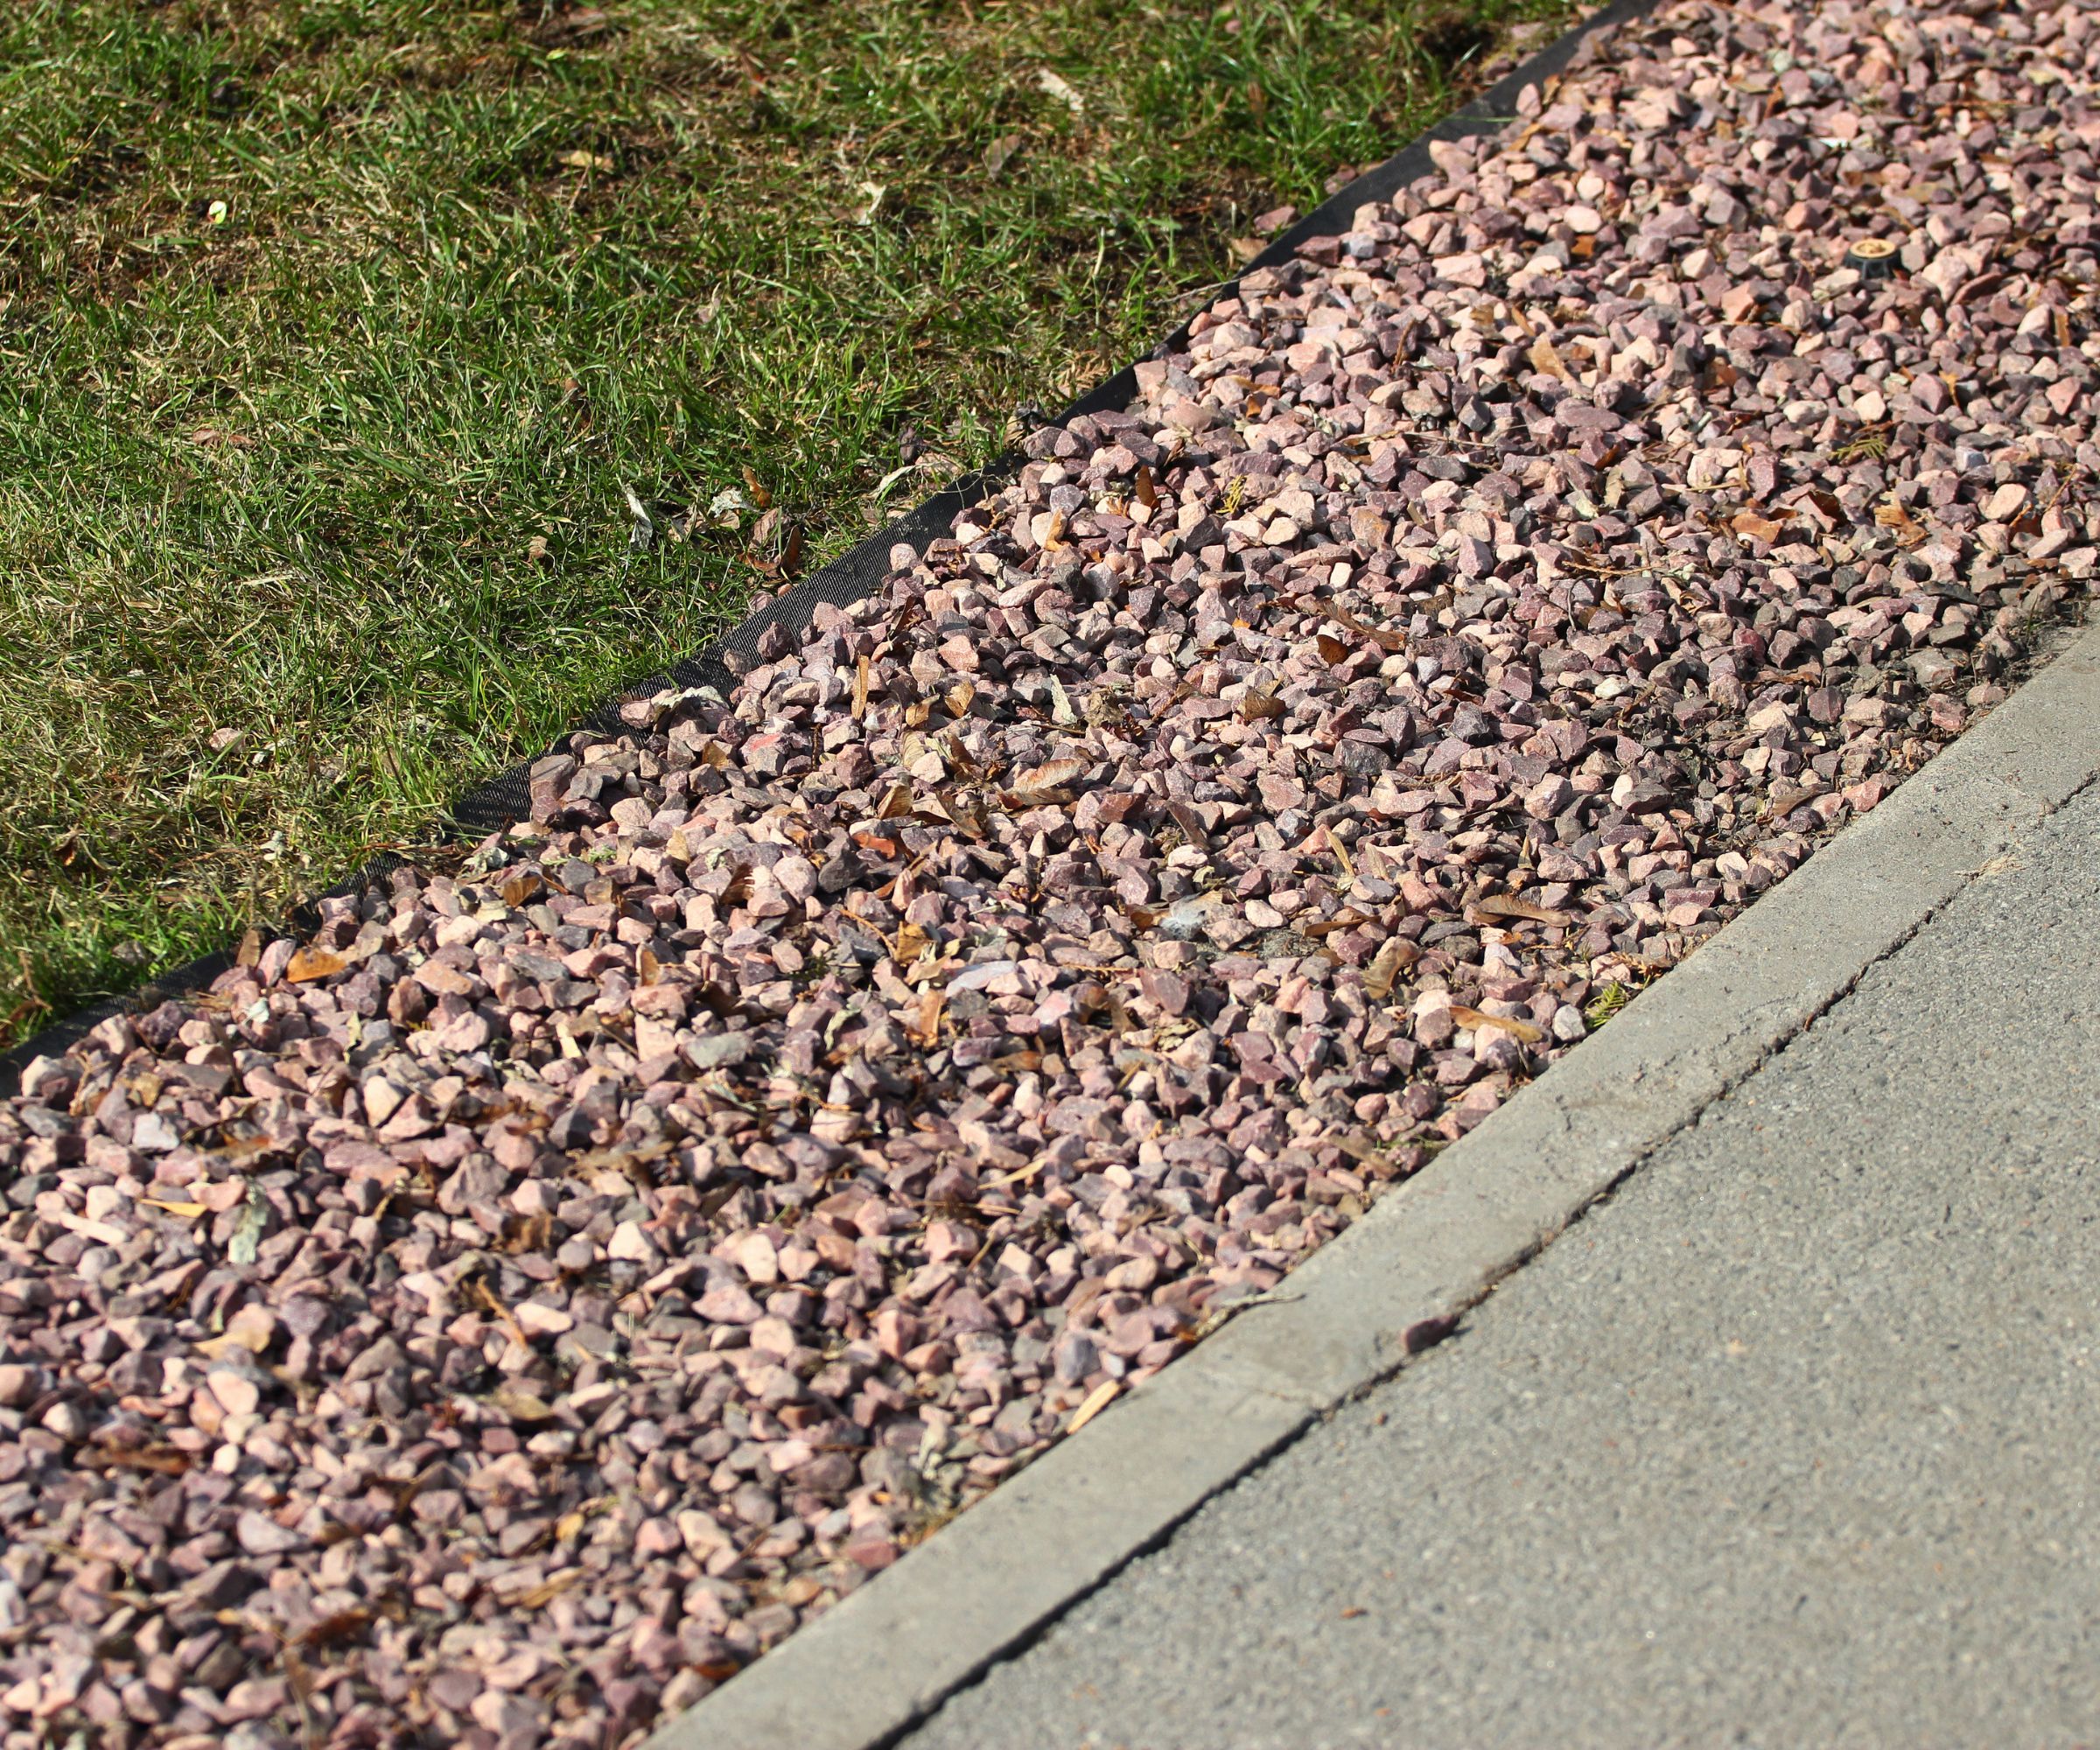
[[496, 1317]]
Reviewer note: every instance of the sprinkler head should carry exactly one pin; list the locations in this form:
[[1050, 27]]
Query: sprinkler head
[[1875, 257]]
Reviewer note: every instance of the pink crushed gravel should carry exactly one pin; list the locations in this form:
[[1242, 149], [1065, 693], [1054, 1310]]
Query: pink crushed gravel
[[497, 1318]]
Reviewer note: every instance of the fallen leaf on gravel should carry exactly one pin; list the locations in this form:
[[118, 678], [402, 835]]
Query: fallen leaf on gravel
[[1260, 704], [165, 1460], [1909, 531], [1096, 1401], [343, 1625], [1387, 964], [1045, 783], [1526, 1031], [312, 962], [1347, 918], [249, 1339], [1384, 637], [1508, 905]]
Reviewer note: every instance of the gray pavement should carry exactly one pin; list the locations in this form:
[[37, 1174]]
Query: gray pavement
[[1792, 1441]]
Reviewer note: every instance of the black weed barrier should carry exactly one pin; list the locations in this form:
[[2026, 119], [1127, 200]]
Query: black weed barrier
[[505, 798]]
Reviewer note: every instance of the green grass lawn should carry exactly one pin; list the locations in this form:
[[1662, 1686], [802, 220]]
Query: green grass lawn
[[332, 333]]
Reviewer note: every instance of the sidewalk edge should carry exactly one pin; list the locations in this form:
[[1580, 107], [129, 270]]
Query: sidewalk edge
[[861, 1675]]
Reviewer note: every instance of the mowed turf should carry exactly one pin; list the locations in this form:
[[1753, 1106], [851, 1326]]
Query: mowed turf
[[334, 334]]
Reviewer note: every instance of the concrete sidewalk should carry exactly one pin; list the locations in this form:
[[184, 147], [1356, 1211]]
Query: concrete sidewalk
[[1792, 1441]]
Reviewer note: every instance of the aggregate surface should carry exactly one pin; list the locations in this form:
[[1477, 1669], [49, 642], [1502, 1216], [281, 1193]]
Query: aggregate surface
[[501, 1315]]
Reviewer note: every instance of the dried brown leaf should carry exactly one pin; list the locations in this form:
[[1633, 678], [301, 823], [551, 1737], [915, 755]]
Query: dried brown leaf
[[1384, 637], [1097, 1400], [521, 888], [1347, 918], [1545, 357], [188, 1211], [967, 816], [1259, 704], [1001, 152], [329, 1631], [1828, 505], [1044, 783], [312, 962], [1508, 905], [1526, 1031], [167, 1460], [1394, 958]]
